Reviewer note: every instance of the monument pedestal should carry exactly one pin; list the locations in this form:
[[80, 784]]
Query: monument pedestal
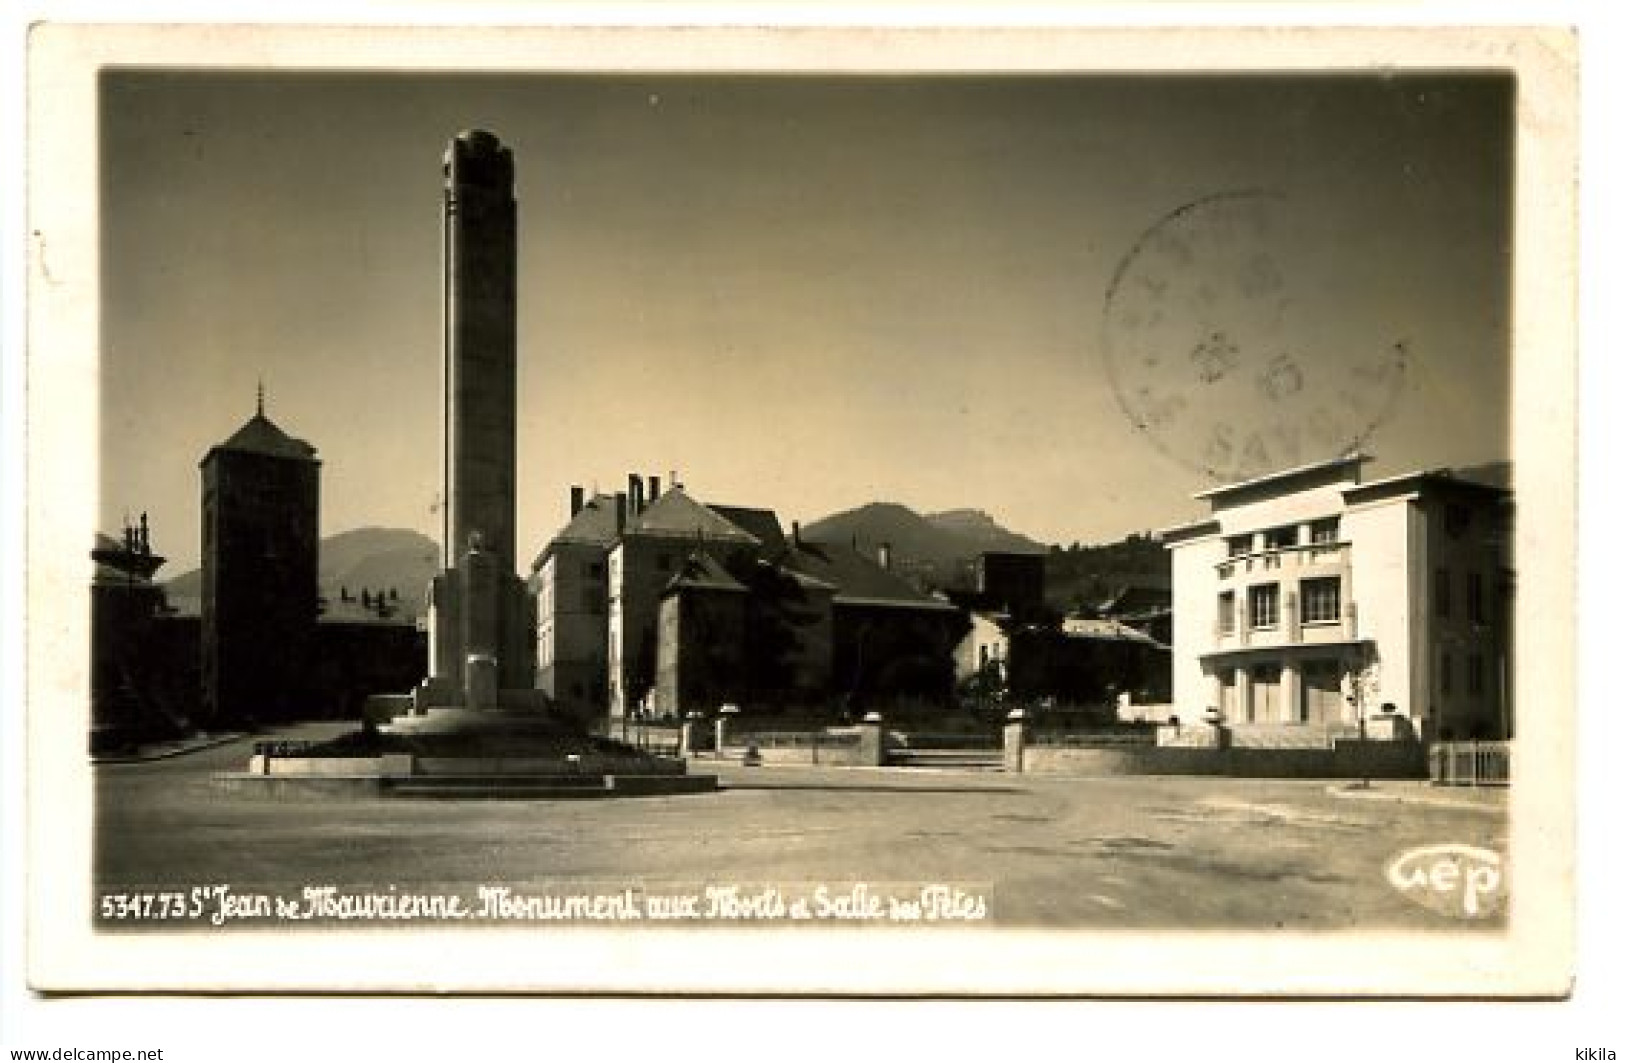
[[478, 687]]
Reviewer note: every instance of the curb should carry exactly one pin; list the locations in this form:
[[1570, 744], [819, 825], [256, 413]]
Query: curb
[[1346, 793], [167, 754]]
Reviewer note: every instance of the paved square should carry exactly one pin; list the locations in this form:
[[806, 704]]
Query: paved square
[[1045, 851]]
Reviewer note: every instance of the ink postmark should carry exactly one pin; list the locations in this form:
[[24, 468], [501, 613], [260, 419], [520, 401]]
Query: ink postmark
[[1222, 349]]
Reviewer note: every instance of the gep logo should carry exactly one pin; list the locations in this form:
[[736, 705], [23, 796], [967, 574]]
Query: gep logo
[[1455, 880]]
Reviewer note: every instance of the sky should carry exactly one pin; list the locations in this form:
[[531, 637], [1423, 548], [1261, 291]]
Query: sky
[[813, 292]]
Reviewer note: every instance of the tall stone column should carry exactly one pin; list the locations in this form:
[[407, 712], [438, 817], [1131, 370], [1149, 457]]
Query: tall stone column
[[481, 367], [479, 610], [480, 635]]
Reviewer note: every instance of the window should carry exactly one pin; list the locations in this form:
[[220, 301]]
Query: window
[[595, 568], [1475, 674], [1239, 545], [1322, 600], [1227, 613], [1324, 531], [1475, 597], [1444, 671], [1264, 604], [1281, 538], [1441, 592]]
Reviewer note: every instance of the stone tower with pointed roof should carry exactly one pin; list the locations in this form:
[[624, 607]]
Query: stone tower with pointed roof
[[261, 491]]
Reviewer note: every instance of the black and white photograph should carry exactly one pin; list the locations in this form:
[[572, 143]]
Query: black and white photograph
[[747, 516]]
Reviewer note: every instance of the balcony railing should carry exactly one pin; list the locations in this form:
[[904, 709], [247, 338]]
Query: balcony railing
[[1273, 561]]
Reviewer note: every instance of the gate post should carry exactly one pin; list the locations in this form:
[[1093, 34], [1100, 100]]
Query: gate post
[[871, 741], [725, 717], [1015, 740]]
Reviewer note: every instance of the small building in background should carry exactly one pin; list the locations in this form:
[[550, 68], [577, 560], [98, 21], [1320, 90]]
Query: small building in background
[[143, 673], [1011, 583], [366, 643]]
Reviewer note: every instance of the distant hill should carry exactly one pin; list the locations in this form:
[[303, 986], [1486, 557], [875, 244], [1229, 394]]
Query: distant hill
[[371, 559], [937, 549], [975, 526]]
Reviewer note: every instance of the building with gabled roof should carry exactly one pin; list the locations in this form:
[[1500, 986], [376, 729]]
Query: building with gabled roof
[[658, 536], [890, 641], [658, 605]]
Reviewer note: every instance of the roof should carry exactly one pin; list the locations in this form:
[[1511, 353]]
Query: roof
[[117, 563], [1193, 530], [1082, 627], [1407, 483], [701, 571], [593, 525], [761, 523], [857, 579], [674, 514], [259, 435], [339, 611], [1344, 465]]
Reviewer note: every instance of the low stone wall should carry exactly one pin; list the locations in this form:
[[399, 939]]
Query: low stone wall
[[847, 755], [395, 764], [587, 764], [402, 765], [1346, 760], [861, 746]]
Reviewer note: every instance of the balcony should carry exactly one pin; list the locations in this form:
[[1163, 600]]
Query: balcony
[[1309, 557]]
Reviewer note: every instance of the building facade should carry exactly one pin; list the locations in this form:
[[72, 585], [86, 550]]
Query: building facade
[[1310, 598], [658, 537], [570, 583]]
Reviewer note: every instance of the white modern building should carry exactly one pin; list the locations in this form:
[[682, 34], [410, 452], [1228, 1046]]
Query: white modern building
[[1308, 598]]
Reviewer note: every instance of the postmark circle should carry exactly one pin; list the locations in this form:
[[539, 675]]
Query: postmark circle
[[1221, 346]]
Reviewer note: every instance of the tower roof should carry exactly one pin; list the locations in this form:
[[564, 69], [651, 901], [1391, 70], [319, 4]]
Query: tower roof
[[260, 435]]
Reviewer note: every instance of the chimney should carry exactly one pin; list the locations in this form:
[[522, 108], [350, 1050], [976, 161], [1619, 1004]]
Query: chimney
[[620, 512], [577, 499], [654, 489], [883, 555], [795, 532], [671, 479], [634, 494]]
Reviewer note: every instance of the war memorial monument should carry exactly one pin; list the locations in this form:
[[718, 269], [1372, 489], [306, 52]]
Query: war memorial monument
[[476, 726]]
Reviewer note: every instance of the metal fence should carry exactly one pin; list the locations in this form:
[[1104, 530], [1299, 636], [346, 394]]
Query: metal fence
[[659, 739], [793, 739], [945, 740], [284, 748], [1093, 739], [1470, 763]]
